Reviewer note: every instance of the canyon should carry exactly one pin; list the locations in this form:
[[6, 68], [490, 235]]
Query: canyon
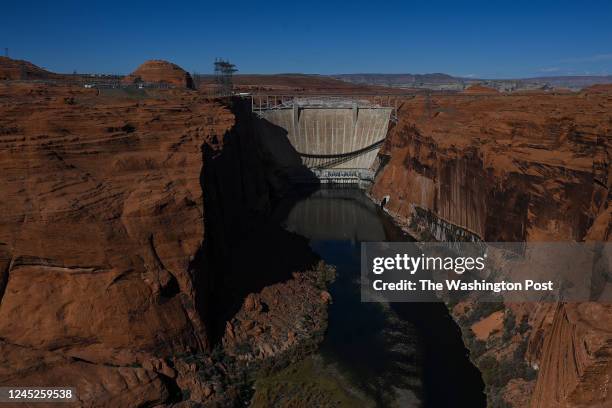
[[132, 264], [526, 167]]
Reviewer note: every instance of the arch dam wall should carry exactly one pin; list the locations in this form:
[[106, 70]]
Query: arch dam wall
[[336, 139]]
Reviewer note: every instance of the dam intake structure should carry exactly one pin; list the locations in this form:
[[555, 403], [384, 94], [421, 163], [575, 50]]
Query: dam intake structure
[[336, 139]]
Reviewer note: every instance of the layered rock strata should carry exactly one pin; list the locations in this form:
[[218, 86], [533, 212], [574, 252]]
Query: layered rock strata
[[107, 277], [513, 168]]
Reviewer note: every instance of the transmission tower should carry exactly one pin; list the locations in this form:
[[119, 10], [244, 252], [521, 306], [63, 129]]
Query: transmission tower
[[195, 77], [223, 76]]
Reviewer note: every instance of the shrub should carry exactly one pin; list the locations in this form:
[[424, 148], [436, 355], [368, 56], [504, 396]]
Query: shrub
[[524, 326], [509, 325]]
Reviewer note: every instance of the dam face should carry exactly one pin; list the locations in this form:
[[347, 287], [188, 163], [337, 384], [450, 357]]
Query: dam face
[[336, 139]]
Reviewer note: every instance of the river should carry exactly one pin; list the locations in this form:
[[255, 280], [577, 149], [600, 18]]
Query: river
[[385, 355]]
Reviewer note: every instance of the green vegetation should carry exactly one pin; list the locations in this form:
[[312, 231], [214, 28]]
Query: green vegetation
[[326, 274], [509, 325], [307, 383], [524, 326], [498, 373]]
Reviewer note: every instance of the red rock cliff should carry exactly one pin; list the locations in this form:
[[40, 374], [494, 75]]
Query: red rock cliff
[[100, 219], [12, 69], [515, 168], [111, 282]]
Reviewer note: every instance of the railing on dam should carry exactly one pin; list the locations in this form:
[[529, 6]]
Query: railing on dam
[[264, 102], [336, 176]]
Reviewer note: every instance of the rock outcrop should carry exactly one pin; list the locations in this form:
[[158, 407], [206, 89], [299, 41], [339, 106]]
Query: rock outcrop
[[162, 73], [12, 69], [100, 219], [513, 168], [265, 327]]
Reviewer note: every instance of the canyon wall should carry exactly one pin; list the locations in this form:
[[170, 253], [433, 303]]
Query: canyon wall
[[101, 218], [533, 167], [118, 217]]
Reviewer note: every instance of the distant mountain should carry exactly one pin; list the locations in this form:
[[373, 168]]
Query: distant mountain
[[404, 80], [439, 81], [572, 81]]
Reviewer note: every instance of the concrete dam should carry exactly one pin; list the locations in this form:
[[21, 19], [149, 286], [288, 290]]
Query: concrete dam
[[323, 139]]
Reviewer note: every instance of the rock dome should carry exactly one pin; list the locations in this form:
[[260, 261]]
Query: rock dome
[[161, 72]]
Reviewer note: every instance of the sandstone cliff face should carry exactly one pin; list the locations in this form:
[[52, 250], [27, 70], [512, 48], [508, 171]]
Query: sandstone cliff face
[[160, 72], [101, 217], [119, 223], [515, 168]]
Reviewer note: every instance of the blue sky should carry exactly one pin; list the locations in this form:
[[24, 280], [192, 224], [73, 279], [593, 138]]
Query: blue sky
[[487, 39]]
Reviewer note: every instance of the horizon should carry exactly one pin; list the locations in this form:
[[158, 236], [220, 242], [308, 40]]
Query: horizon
[[523, 40], [328, 75]]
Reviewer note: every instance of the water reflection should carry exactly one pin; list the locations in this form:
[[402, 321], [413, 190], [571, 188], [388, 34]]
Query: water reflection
[[394, 354]]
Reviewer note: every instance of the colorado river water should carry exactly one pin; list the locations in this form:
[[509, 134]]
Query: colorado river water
[[399, 354]]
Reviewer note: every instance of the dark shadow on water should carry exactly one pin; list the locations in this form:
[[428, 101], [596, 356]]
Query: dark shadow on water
[[411, 346], [375, 351], [449, 378]]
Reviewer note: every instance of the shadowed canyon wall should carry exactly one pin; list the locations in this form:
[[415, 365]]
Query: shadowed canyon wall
[[513, 168]]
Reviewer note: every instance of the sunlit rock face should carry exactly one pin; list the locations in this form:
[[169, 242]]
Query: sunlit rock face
[[100, 218], [531, 167], [160, 72], [16, 70]]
